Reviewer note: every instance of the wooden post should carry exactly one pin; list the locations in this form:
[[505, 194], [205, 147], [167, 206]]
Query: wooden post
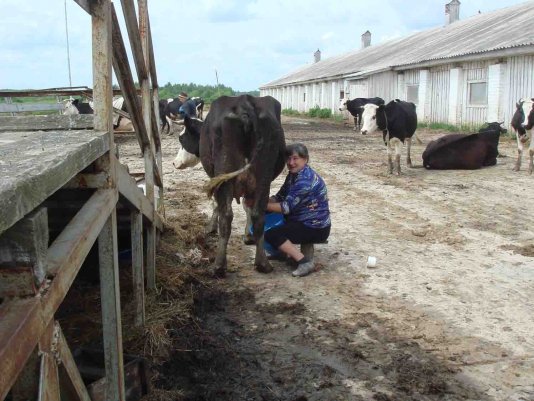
[[149, 162], [49, 378], [111, 310], [137, 267], [107, 240]]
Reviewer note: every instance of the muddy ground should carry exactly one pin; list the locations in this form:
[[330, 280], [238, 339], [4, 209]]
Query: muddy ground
[[446, 314]]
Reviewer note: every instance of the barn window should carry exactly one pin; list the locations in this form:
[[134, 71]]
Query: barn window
[[478, 93], [341, 95], [412, 93]]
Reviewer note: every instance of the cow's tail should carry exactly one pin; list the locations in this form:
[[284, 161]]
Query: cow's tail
[[213, 185]]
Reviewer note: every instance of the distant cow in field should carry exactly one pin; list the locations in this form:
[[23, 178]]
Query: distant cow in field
[[464, 151], [521, 125], [397, 120], [241, 146], [162, 117], [355, 107]]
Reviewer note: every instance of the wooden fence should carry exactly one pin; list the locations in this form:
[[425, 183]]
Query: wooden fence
[[42, 156]]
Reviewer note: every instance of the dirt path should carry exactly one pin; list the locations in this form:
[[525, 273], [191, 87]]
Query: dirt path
[[445, 315]]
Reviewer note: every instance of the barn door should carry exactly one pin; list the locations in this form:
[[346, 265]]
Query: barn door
[[439, 96], [358, 89]]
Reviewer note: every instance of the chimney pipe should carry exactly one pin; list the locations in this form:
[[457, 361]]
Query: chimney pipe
[[452, 12], [366, 39], [317, 56]]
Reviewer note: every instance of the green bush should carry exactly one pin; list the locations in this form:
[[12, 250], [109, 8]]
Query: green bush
[[290, 112], [324, 113]]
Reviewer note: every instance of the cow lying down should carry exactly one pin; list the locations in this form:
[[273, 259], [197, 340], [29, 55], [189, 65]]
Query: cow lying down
[[464, 151]]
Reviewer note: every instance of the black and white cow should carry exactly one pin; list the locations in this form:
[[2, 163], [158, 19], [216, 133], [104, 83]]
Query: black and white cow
[[398, 121], [464, 151], [76, 106], [241, 146], [189, 152], [521, 125], [355, 107]]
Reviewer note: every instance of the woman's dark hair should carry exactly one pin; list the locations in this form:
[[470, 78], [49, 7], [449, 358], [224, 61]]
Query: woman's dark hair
[[299, 149]]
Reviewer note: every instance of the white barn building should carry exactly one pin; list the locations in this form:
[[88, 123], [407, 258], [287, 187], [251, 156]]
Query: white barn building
[[464, 73]]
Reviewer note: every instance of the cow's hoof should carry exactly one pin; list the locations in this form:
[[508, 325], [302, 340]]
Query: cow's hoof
[[248, 240], [265, 268], [515, 169], [219, 272]]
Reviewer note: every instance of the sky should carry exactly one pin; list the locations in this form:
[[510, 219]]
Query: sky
[[248, 42]]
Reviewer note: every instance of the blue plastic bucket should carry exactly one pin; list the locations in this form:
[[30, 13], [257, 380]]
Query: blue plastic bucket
[[271, 220]]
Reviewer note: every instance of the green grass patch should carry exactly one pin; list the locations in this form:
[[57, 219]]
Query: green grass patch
[[290, 112]]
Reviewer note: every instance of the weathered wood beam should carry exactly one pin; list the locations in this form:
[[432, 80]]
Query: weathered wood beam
[[20, 329], [24, 246], [46, 123], [128, 9], [73, 374], [152, 66], [85, 5], [20, 107], [138, 275], [129, 189], [85, 180], [124, 76], [111, 309], [74, 91], [49, 377]]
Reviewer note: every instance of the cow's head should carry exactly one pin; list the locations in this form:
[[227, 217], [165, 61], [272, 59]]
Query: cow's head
[[374, 118], [189, 154], [518, 120], [70, 106], [343, 104]]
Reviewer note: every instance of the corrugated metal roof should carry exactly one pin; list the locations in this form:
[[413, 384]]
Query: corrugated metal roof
[[502, 29]]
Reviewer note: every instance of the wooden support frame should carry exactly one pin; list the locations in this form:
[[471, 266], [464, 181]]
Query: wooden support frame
[[26, 323]]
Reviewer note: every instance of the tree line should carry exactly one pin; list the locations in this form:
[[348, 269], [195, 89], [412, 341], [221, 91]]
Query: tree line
[[207, 92]]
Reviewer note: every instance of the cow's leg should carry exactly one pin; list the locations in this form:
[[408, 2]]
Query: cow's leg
[[211, 228], [355, 123], [390, 161], [248, 238], [226, 215], [260, 262], [531, 154], [398, 148], [517, 166], [408, 150]]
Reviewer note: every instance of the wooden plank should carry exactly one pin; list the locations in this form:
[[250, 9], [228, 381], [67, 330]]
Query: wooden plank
[[128, 9], [74, 91], [27, 385], [111, 309], [138, 267], [152, 66], [25, 245], [49, 379], [20, 329], [73, 374], [37, 164], [85, 5], [129, 189], [124, 76], [21, 107], [47, 123], [16, 282], [97, 180]]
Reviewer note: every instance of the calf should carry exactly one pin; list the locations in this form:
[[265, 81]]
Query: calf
[[464, 151], [397, 120], [355, 107], [520, 125]]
